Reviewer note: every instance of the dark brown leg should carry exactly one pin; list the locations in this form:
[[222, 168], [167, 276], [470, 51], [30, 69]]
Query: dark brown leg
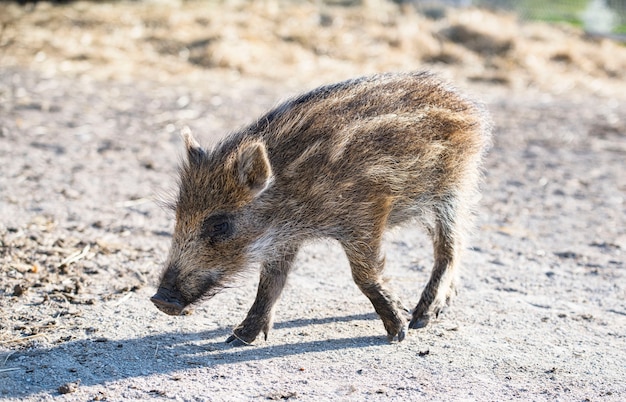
[[259, 318], [363, 252], [440, 287]]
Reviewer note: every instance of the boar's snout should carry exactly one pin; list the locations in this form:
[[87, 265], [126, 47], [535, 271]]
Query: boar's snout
[[166, 301]]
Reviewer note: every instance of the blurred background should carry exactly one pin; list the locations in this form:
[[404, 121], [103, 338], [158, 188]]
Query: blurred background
[[595, 16], [498, 41]]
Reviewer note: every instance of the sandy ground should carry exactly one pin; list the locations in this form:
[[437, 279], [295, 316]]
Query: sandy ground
[[89, 141]]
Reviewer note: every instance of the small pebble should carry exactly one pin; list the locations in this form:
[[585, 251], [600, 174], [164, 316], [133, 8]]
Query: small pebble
[[69, 387]]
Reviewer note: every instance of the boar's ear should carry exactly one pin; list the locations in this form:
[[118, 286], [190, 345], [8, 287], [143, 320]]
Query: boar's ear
[[195, 153], [254, 169]]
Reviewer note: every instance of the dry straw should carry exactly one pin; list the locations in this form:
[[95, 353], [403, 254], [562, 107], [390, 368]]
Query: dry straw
[[307, 43]]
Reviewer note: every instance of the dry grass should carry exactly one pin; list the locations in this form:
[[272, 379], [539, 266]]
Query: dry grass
[[302, 42]]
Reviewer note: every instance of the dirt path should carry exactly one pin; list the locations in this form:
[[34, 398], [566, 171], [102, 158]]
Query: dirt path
[[540, 315]]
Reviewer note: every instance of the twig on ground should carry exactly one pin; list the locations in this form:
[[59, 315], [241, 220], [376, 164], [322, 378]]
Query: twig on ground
[[7, 358], [123, 298], [75, 257], [24, 339], [132, 203]]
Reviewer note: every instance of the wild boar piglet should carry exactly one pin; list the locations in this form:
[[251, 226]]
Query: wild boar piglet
[[345, 161]]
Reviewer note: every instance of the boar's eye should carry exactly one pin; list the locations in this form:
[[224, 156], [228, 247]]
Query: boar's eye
[[217, 227]]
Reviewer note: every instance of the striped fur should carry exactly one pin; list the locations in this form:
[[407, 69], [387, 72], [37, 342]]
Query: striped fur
[[345, 161]]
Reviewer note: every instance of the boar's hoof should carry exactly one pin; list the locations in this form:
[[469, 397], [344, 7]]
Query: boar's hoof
[[400, 335], [168, 306], [419, 322], [234, 340]]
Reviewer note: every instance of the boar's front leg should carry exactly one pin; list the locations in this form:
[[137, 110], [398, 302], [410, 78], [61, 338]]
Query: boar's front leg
[[273, 278]]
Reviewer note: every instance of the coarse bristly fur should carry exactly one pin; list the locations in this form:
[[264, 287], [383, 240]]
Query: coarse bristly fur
[[345, 161]]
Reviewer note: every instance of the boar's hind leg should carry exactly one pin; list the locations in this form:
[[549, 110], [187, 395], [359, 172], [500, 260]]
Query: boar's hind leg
[[273, 278], [440, 288], [367, 269]]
